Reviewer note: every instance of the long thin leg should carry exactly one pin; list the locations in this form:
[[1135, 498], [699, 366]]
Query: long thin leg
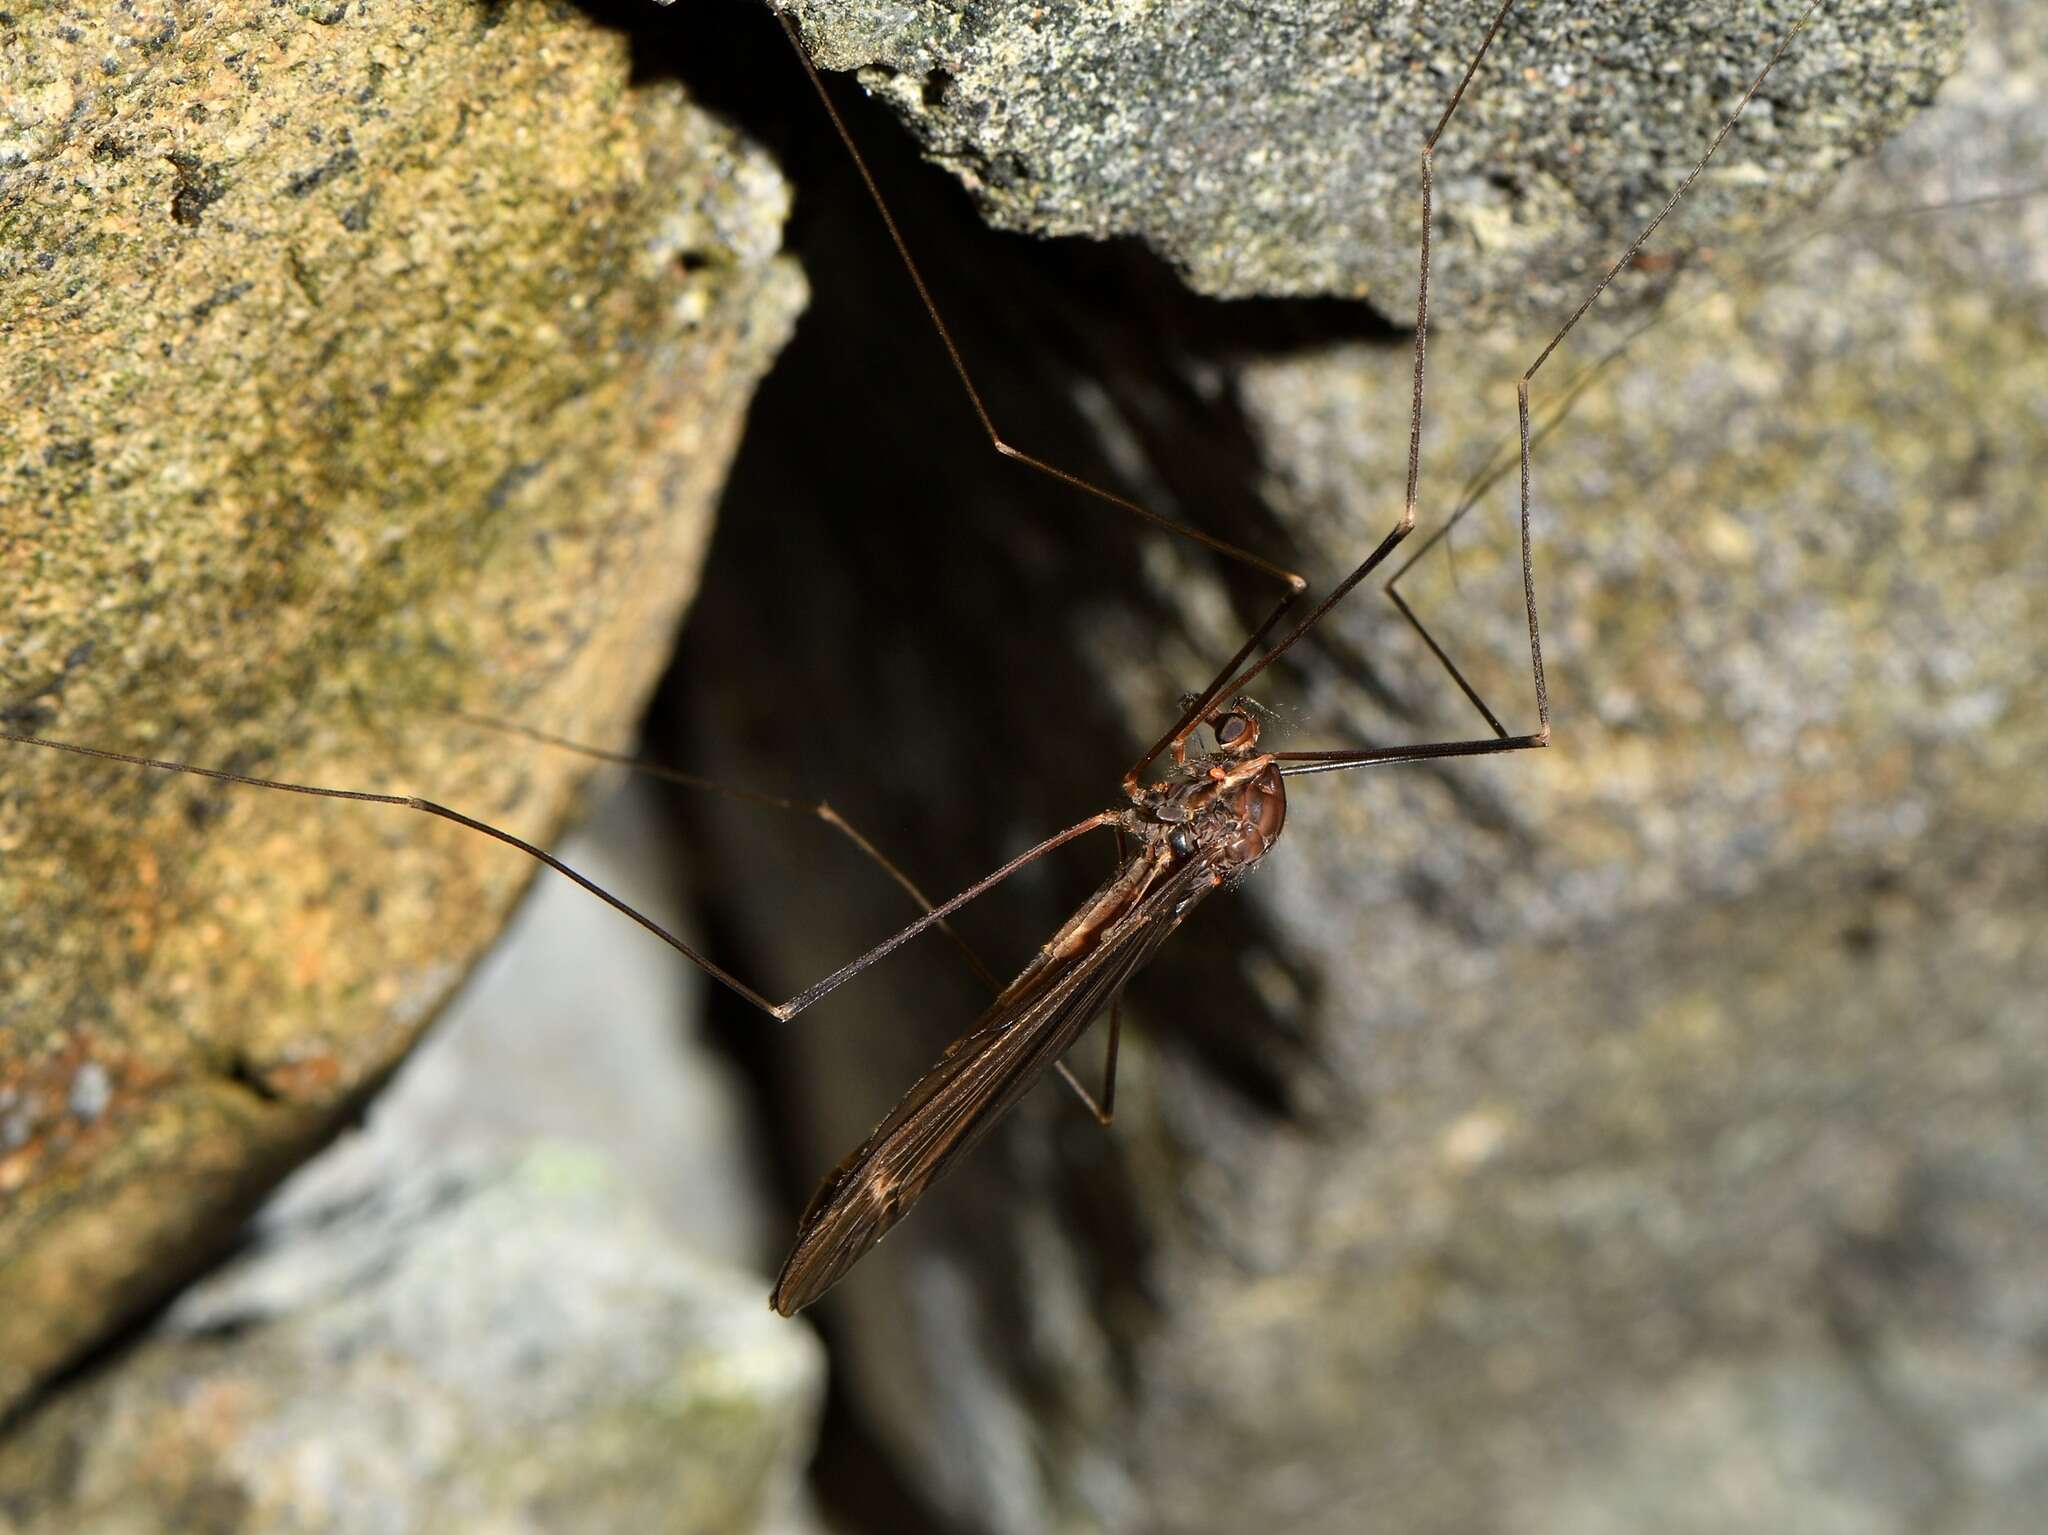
[[821, 809], [1560, 409], [1103, 1111], [1468, 502], [1231, 680], [1333, 761], [1294, 583], [1235, 673], [933, 917]]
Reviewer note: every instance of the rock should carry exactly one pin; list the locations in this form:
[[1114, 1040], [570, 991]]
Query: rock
[[574, 1027], [456, 1282], [1648, 1124], [359, 363], [440, 1347], [1272, 150]]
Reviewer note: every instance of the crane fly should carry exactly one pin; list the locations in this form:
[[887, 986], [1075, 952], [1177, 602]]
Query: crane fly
[[1200, 827], [1204, 828]]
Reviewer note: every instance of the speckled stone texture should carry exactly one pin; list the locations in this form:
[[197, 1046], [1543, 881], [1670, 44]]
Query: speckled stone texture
[[357, 362], [1271, 149], [509, 1346], [1642, 1133]]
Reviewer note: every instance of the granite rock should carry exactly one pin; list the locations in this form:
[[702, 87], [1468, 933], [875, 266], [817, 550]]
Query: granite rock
[[503, 1344], [357, 363], [1272, 149]]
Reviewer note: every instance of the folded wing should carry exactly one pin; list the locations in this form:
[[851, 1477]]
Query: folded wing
[[952, 1106]]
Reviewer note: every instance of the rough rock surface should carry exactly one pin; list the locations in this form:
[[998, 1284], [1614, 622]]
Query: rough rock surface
[[1644, 1131], [356, 361], [1271, 149], [452, 1315], [507, 1346]]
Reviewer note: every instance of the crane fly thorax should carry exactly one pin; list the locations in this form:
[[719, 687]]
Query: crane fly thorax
[[1225, 808]]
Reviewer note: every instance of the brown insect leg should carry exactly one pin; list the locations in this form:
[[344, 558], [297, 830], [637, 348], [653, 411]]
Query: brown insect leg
[[837, 822], [1330, 761], [1104, 1111], [1228, 683], [1294, 583], [821, 809], [933, 917]]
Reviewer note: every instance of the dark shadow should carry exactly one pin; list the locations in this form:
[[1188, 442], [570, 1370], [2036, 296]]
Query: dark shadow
[[896, 619]]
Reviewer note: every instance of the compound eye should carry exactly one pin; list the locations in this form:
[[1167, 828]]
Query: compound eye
[[1236, 732], [1182, 841]]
